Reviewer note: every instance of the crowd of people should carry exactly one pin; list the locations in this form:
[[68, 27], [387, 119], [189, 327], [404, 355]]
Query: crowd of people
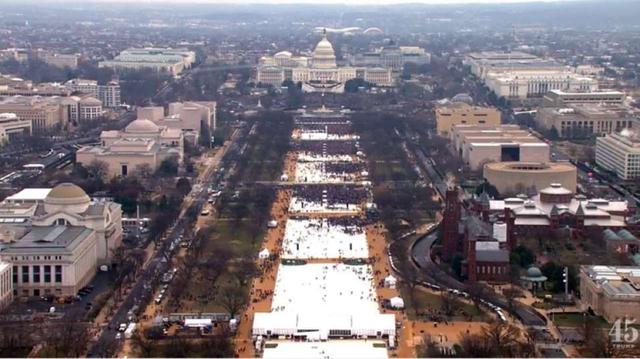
[[328, 147], [331, 194]]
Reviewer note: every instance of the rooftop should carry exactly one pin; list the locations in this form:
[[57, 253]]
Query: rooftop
[[52, 238], [29, 195]]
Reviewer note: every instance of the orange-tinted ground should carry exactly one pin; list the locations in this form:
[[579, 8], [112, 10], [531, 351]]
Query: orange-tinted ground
[[262, 287]]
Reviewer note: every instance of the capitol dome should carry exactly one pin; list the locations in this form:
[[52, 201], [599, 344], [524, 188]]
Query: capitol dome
[[66, 197], [142, 126], [324, 56]]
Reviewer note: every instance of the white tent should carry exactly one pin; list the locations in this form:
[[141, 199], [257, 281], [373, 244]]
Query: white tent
[[272, 224], [284, 177], [264, 254], [397, 303], [390, 282], [197, 323]]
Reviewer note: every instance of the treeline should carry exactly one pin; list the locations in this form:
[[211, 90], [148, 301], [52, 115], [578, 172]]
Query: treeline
[[402, 200], [262, 158]]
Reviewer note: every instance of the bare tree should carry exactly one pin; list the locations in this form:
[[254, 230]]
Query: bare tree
[[97, 169], [145, 347], [232, 298], [67, 338], [450, 304], [143, 170], [244, 270]]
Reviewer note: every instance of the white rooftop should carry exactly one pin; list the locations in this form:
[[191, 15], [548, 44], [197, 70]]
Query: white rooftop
[[326, 350], [29, 194]]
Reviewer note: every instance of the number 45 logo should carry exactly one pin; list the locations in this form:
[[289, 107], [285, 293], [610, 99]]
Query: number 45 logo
[[623, 332]]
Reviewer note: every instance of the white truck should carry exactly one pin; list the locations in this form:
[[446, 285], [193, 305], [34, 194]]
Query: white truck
[[130, 330]]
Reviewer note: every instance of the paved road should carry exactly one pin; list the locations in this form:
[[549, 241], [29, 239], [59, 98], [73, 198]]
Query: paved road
[[143, 288]]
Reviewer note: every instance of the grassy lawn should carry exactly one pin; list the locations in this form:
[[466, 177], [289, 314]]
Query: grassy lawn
[[391, 171], [427, 301], [576, 320], [200, 294]]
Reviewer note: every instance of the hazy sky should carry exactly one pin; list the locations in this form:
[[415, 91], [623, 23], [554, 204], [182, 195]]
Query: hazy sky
[[346, 2]]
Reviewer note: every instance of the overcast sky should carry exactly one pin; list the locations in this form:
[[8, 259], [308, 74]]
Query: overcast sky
[[346, 2]]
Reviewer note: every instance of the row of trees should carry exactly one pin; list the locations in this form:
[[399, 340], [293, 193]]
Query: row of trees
[[498, 339]]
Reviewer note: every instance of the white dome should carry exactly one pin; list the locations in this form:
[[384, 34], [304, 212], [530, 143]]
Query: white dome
[[323, 55], [141, 126]]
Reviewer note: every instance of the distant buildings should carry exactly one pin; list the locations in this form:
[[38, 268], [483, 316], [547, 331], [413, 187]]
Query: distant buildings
[[461, 113], [519, 75], [11, 86], [320, 73], [142, 143], [108, 94], [478, 145], [189, 117], [620, 153], [172, 61], [392, 56], [612, 292], [57, 60], [55, 245], [50, 114], [581, 120], [11, 127], [51, 58], [45, 116]]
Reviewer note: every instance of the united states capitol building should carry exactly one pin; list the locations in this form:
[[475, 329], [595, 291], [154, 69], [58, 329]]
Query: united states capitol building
[[320, 72]]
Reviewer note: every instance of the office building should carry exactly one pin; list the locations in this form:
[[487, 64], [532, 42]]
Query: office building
[[19, 87], [392, 56], [559, 98], [141, 143], [172, 61], [534, 84], [620, 153], [478, 145], [12, 127], [108, 94], [58, 60], [610, 291], [189, 117], [518, 75], [45, 116], [461, 113], [583, 120]]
